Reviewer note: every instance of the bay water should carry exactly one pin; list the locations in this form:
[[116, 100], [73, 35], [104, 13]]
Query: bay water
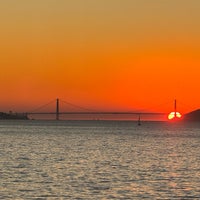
[[99, 160]]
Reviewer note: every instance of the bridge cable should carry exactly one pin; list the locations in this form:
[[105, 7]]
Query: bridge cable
[[76, 106], [42, 106]]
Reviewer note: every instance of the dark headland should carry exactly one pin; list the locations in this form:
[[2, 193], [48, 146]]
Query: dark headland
[[192, 116], [13, 116]]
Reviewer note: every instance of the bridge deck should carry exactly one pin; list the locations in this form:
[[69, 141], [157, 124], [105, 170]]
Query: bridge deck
[[95, 113]]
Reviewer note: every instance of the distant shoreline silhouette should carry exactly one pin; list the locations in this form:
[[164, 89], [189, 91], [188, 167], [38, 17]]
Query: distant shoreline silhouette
[[5, 116], [192, 116]]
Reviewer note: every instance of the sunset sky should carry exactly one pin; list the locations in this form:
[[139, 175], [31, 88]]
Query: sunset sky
[[100, 54]]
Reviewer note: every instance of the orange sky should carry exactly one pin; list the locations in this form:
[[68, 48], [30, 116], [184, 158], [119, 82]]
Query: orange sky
[[103, 54]]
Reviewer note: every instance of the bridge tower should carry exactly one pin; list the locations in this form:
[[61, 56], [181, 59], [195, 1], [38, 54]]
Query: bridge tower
[[57, 109], [175, 111]]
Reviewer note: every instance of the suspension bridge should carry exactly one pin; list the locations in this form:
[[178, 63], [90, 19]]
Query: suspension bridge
[[83, 111]]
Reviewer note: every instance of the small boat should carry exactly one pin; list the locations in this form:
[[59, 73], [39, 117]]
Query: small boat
[[139, 121]]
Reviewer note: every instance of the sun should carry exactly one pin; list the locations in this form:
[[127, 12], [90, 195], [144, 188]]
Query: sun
[[174, 115]]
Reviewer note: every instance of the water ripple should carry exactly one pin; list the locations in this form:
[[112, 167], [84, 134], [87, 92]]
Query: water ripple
[[99, 160]]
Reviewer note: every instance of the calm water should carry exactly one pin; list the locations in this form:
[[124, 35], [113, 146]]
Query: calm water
[[99, 160]]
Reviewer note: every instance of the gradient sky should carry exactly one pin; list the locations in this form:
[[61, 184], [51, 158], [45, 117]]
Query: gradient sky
[[102, 54]]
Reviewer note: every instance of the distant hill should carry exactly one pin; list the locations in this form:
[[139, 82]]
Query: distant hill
[[192, 116]]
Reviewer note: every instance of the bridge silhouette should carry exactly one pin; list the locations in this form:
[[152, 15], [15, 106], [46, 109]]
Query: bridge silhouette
[[83, 111]]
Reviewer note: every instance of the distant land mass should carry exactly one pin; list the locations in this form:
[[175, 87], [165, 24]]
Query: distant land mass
[[13, 116], [192, 116]]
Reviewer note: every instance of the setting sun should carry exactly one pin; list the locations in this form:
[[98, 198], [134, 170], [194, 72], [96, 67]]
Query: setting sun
[[173, 115]]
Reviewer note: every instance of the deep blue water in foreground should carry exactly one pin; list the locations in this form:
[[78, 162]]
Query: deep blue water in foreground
[[99, 160]]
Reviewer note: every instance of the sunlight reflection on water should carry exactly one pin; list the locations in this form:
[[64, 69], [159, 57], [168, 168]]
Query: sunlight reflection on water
[[99, 160]]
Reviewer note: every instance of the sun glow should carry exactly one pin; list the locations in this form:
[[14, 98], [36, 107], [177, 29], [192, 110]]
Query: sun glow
[[174, 115]]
